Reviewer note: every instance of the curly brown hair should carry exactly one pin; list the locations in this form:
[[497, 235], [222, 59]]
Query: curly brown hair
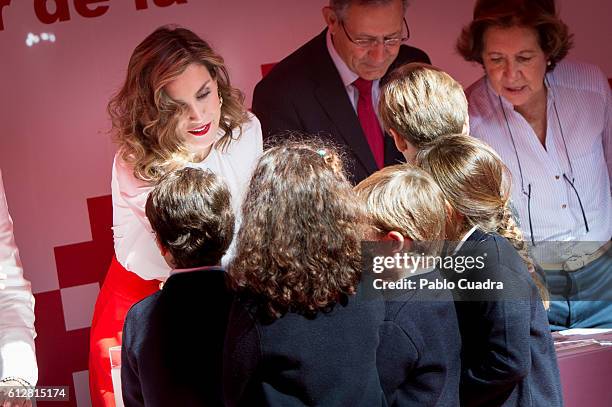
[[540, 15], [298, 248], [144, 118]]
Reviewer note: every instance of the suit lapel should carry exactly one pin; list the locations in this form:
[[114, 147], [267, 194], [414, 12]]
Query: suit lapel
[[332, 97]]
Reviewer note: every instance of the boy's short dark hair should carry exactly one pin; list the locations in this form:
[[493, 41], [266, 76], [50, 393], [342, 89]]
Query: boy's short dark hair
[[190, 212]]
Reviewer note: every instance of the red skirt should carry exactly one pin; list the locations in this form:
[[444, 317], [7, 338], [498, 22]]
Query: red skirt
[[121, 290]]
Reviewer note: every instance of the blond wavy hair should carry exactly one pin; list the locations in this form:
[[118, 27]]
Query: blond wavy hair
[[145, 119], [421, 103], [299, 245], [407, 200], [477, 184]]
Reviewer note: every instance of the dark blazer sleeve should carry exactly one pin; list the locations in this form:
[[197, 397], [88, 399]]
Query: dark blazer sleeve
[[241, 356], [274, 109], [507, 357], [130, 382]]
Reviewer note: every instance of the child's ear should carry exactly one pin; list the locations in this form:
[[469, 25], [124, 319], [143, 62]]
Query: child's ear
[[408, 150], [400, 142], [400, 242], [162, 249]]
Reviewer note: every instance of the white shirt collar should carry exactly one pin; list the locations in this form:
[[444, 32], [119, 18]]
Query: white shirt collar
[[179, 271], [348, 76], [464, 239]]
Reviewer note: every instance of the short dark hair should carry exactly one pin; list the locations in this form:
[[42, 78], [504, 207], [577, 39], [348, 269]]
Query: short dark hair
[[340, 6], [190, 212], [540, 15]]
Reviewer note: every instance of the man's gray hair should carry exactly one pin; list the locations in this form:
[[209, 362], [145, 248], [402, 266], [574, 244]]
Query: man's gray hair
[[340, 6]]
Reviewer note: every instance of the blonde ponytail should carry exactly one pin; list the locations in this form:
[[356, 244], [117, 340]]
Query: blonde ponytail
[[476, 183]]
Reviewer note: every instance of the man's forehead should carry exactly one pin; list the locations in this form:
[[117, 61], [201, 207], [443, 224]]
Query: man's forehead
[[378, 19]]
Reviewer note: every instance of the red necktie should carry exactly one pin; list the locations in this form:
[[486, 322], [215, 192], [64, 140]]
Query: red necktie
[[369, 121]]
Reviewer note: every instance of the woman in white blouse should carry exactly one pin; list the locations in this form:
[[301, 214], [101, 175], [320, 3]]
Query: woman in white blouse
[[176, 108], [551, 122]]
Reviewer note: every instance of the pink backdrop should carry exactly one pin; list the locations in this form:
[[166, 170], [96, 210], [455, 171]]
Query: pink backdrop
[[54, 150]]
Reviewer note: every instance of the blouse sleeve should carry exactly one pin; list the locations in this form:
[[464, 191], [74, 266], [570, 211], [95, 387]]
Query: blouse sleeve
[[244, 155], [254, 145], [17, 354], [135, 245], [258, 137]]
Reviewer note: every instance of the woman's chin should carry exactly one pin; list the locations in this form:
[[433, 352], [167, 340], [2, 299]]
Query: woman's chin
[[516, 98]]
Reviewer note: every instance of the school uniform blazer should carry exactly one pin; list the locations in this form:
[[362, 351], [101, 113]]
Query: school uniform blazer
[[326, 361], [419, 355], [304, 92], [173, 342], [508, 355]]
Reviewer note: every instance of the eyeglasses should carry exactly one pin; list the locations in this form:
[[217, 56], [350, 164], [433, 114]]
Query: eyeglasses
[[527, 192], [371, 42]]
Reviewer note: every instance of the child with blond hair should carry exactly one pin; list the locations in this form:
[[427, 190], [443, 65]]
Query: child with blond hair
[[419, 351]]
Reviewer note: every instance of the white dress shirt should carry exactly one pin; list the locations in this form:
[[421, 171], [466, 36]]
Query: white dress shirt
[[581, 95], [135, 246], [348, 77], [17, 354]]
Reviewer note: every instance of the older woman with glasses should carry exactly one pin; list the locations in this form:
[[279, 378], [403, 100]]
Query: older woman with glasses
[[550, 122]]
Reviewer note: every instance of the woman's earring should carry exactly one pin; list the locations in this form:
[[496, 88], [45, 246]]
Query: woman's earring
[[548, 63], [220, 100]]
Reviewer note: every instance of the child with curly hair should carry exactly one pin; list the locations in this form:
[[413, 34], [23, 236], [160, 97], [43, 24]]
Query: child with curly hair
[[302, 331]]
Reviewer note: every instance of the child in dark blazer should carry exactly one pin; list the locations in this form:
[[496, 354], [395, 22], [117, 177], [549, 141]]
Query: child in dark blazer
[[418, 356], [302, 332], [173, 340], [508, 356]]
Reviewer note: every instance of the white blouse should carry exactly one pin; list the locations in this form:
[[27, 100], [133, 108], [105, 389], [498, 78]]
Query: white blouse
[[135, 246]]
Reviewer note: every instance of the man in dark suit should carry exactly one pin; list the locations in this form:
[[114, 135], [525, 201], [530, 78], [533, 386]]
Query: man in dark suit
[[331, 85], [173, 340]]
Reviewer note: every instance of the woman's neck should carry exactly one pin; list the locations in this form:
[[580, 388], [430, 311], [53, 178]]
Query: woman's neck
[[199, 156], [534, 111]]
